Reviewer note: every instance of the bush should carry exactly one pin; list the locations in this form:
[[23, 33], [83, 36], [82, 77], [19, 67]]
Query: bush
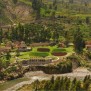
[[59, 50], [40, 54], [89, 55]]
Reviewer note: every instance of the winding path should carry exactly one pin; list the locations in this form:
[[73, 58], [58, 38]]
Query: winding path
[[79, 73]]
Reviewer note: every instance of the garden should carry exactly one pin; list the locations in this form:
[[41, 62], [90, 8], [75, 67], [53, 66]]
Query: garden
[[41, 51], [44, 51]]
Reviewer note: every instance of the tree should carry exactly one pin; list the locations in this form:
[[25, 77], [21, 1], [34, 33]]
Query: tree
[[1, 35], [55, 36], [74, 81], [21, 33], [36, 5], [71, 1], [67, 37], [87, 85], [15, 1], [87, 20], [79, 42], [50, 6], [78, 86], [17, 53], [52, 80], [87, 78], [1, 63], [8, 56], [55, 8], [54, 2], [46, 86], [36, 85], [56, 84], [86, 3]]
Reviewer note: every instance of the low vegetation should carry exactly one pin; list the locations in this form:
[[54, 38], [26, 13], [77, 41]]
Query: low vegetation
[[39, 54], [59, 50]]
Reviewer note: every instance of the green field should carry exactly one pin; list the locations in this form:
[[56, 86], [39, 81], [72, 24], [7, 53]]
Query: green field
[[8, 84]]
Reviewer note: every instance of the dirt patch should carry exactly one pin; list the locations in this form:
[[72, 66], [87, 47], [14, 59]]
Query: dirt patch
[[43, 49]]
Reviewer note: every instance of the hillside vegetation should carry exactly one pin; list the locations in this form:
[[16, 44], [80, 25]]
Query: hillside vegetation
[[15, 11]]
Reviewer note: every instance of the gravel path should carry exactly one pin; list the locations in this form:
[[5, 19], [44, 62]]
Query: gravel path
[[79, 73]]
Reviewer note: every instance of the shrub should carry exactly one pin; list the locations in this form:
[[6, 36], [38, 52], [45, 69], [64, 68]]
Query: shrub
[[59, 50], [40, 54]]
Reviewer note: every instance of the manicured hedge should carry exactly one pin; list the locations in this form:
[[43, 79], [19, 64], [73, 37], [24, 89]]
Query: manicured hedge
[[59, 50], [43, 49], [40, 54], [59, 53]]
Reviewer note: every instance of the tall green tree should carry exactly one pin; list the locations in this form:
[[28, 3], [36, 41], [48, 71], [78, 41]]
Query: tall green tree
[[36, 5], [79, 42], [15, 1], [8, 56], [71, 1], [87, 20], [1, 35]]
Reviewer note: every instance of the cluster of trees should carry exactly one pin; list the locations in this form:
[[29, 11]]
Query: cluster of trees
[[54, 32], [12, 72], [79, 42], [4, 60], [37, 5], [63, 84], [63, 67], [32, 33]]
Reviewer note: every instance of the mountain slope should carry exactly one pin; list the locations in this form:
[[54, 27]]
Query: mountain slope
[[14, 13], [22, 12]]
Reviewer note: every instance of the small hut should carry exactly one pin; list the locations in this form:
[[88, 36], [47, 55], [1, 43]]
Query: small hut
[[88, 45]]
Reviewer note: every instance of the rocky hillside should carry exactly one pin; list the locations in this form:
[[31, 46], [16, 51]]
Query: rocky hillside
[[12, 12]]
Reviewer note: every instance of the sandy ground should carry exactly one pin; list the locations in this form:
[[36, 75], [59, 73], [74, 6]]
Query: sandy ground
[[79, 73]]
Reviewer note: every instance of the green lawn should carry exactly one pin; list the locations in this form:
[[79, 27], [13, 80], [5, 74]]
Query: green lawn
[[69, 49], [35, 53], [39, 54], [8, 84], [24, 55]]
